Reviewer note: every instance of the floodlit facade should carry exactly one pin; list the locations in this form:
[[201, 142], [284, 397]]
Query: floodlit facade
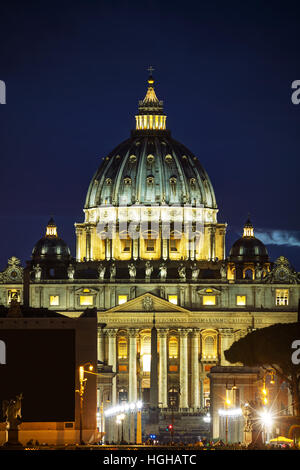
[[151, 244]]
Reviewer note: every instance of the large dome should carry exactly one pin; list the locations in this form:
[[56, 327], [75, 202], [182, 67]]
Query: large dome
[[150, 167]]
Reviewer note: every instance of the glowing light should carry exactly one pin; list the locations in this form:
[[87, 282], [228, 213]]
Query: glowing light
[[122, 299], [266, 418], [121, 409], [209, 300], [173, 299], [232, 412]]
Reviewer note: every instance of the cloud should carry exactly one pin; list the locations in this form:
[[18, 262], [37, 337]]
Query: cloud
[[278, 237]]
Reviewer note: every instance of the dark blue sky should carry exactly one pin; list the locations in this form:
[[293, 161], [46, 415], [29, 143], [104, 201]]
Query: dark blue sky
[[74, 73]]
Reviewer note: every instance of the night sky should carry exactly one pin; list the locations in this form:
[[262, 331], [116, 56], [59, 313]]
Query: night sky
[[74, 72]]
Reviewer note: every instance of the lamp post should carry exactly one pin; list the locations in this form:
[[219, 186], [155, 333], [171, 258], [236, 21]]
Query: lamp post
[[82, 384]]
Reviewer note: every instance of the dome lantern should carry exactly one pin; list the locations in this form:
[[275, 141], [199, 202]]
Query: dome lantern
[[51, 229], [151, 115]]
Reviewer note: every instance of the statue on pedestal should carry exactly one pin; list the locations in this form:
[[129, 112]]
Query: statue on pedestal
[[148, 270], [71, 272], [113, 271], [101, 271], [37, 272], [223, 271], [11, 410], [181, 272], [195, 271], [258, 272], [162, 271], [132, 271]]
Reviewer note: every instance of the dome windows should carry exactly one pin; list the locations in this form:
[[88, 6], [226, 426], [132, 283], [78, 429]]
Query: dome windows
[[169, 158], [150, 179], [150, 158], [132, 159], [127, 181], [108, 181]]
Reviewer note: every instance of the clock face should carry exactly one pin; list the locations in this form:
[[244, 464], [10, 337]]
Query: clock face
[[282, 274], [14, 274]]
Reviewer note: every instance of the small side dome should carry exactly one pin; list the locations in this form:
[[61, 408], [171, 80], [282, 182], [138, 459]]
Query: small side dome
[[248, 247], [51, 247]]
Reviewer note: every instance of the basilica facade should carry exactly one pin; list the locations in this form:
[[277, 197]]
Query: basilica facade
[[151, 247]]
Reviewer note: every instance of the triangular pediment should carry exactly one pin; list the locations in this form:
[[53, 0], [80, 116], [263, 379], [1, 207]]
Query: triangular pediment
[[148, 303]]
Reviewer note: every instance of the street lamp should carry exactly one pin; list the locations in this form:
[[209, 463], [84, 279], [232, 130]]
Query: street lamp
[[82, 384]]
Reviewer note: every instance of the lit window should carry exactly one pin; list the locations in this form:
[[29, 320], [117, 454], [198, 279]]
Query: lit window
[[173, 299], [173, 348], [209, 300], [209, 347], [54, 300], [126, 245], [86, 300], [241, 300], [122, 299], [146, 362], [122, 348], [173, 246], [282, 296], [14, 294], [150, 244]]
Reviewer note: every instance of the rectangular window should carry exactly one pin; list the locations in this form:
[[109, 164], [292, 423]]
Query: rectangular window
[[122, 299], [54, 300], [173, 368], [14, 294], [86, 300], [173, 299], [209, 300], [173, 245], [241, 300], [282, 296], [126, 245], [150, 244], [122, 368]]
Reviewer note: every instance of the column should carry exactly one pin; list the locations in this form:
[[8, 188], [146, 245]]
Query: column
[[107, 247], [195, 370], [165, 248], [88, 243], [212, 242], [183, 367], [227, 338], [132, 395], [112, 361], [163, 369], [100, 345], [78, 243], [135, 249], [132, 378]]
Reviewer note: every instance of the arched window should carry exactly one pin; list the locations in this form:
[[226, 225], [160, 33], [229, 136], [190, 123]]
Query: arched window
[[248, 274], [122, 348], [173, 347], [209, 346]]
